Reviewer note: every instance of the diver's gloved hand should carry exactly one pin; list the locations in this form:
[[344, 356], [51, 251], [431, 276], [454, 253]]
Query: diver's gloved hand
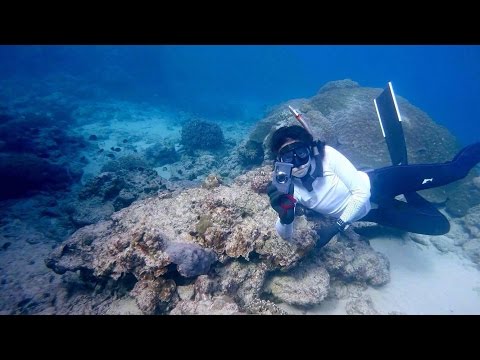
[[283, 204], [328, 232]]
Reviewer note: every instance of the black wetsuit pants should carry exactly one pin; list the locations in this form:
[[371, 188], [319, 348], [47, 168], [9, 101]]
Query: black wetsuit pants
[[416, 215]]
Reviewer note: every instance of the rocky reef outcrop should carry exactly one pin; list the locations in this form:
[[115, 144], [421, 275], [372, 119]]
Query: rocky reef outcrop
[[199, 134], [222, 240]]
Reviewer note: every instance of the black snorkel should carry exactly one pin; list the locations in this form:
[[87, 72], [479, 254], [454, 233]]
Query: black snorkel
[[308, 179]]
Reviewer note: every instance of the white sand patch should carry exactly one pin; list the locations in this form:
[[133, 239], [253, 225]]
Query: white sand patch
[[131, 137], [124, 306], [426, 281], [133, 132]]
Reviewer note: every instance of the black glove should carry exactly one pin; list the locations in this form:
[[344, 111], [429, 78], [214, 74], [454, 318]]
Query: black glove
[[328, 232], [283, 204]]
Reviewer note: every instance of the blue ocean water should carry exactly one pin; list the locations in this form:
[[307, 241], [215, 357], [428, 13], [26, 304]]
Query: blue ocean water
[[84, 111], [239, 80]]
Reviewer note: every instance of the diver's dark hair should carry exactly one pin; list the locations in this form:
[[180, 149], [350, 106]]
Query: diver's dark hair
[[294, 132]]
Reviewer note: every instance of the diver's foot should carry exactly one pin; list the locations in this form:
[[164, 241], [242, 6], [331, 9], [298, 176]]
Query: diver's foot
[[469, 156]]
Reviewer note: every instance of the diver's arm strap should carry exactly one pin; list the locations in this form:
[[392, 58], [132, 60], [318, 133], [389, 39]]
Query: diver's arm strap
[[284, 231]]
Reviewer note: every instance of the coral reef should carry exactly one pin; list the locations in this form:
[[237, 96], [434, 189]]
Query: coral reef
[[221, 305], [258, 180], [355, 261], [225, 238], [154, 296], [194, 168], [306, 285], [161, 153], [264, 307], [339, 84], [111, 191], [362, 305], [242, 281], [201, 135], [128, 163], [251, 153], [212, 181], [203, 242]]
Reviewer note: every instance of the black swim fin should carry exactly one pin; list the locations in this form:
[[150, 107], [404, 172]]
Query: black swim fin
[[391, 124]]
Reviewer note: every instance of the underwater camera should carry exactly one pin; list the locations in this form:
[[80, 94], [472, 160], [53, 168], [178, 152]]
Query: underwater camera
[[282, 176]]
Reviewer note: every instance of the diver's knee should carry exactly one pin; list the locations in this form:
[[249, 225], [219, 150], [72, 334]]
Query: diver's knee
[[442, 226], [468, 157]]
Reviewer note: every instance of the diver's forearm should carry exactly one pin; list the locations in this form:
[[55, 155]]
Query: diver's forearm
[[284, 231]]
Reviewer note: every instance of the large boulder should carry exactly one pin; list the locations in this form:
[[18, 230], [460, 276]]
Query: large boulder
[[355, 260], [199, 134], [182, 234], [242, 280], [306, 285]]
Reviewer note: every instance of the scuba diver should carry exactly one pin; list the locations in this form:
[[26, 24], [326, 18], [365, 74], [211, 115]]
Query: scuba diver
[[325, 181]]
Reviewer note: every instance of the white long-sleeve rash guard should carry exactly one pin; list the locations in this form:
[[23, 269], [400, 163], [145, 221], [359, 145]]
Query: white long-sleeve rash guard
[[343, 192]]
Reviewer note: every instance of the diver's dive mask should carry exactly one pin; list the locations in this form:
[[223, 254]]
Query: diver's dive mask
[[297, 153]]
